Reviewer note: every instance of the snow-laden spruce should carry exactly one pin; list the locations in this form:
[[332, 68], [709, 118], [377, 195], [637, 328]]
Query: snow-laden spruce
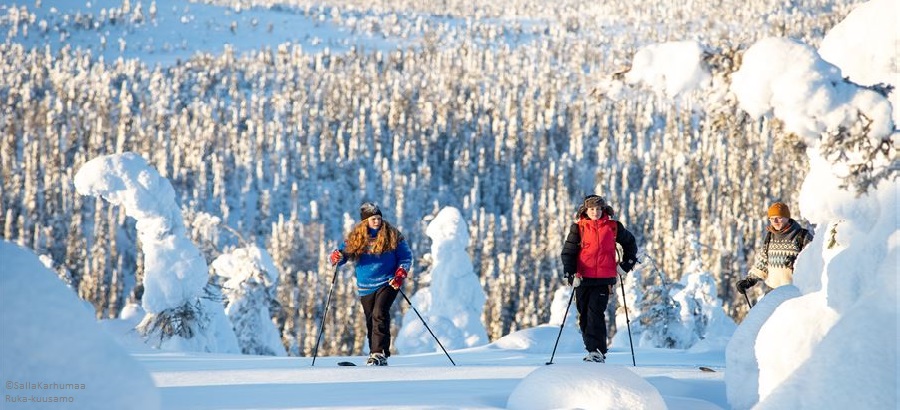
[[175, 272], [682, 315], [790, 80], [671, 68], [249, 289], [830, 340], [702, 320], [453, 303]]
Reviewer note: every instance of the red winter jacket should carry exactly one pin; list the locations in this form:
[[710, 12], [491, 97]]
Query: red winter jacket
[[590, 250], [597, 258]]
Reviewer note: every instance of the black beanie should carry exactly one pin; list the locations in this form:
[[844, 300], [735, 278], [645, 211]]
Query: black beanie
[[368, 210]]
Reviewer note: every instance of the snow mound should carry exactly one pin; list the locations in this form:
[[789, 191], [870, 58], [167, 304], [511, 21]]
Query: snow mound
[[535, 340], [812, 384], [585, 386], [742, 378], [50, 339]]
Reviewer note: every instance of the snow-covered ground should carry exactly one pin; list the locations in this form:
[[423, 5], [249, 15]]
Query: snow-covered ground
[[73, 350], [484, 377]]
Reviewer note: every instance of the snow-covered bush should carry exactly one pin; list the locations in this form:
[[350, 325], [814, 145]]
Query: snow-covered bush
[[702, 319]]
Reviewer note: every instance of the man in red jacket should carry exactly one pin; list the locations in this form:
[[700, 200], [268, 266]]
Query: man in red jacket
[[589, 258]]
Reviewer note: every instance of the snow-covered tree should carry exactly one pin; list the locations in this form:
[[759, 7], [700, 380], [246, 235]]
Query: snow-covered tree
[[842, 306], [249, 288], [560, 304], [175, 273], [659, 317], [679, 315], [454, 302], [700, 311]]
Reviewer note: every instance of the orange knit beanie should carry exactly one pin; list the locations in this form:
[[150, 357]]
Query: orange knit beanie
[[779, 209]]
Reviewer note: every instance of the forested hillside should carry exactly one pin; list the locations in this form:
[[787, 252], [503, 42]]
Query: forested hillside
[[491, 109]]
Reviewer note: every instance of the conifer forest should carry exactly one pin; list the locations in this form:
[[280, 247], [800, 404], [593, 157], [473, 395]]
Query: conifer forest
[[490, 107]]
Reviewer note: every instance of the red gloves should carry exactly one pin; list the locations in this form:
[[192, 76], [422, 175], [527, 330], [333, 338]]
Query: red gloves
[[397, 281], [336, 257]]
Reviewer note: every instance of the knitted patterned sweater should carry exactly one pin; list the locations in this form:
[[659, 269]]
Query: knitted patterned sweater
[[775, 260]]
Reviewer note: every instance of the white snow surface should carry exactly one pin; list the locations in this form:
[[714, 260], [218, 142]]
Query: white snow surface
[[50, 338], [73, 348]]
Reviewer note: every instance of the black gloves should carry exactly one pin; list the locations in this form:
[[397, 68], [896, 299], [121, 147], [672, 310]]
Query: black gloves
[[746, 283]]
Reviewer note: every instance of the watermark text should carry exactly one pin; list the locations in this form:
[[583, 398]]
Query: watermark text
[[37, 391]]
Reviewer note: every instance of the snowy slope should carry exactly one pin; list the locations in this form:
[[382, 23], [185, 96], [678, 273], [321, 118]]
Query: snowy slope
[[176, 31]]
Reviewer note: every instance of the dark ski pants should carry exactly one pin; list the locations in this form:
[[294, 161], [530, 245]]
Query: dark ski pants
[[591, 303], [377, 307]]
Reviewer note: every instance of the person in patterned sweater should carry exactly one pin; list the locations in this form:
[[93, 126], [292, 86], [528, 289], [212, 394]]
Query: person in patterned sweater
[[775, 259]]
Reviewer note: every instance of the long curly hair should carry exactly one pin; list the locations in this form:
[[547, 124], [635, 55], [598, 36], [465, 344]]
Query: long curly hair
[[358, 241]]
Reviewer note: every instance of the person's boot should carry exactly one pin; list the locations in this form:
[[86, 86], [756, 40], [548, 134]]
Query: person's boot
[[376, 359], [595, 357]]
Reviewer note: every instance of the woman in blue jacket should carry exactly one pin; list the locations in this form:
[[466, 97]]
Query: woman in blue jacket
[[382, 260]]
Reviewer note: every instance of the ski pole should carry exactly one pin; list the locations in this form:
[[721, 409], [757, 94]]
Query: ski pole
[[748, 299], [561, 326], [426, 326], [627, 320], [324, 315]]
